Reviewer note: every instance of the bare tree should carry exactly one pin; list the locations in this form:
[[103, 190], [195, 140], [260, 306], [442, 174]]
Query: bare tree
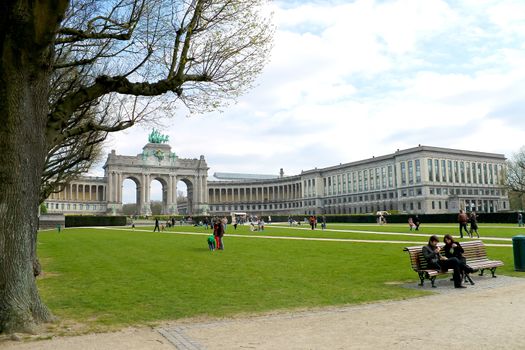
[[73, 71], [515, 172]]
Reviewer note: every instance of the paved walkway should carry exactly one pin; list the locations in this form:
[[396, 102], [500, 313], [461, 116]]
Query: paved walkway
[[489, 315]]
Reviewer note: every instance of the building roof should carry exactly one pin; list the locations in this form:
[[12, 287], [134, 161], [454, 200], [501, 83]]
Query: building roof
[[238, 176]]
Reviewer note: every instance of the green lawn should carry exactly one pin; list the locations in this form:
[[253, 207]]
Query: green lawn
[[105, 277]]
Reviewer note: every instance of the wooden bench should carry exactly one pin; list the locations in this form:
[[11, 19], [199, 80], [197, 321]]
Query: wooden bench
[[474, 253]]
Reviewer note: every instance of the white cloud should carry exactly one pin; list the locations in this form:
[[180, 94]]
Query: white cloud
[[349, 80]]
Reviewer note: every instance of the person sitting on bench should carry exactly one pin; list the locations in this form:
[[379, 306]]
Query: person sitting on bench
[[435, 260], [453, 249]]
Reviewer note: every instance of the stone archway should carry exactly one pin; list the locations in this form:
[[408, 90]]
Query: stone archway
[[138, 188], [157, 162], [187, 207]]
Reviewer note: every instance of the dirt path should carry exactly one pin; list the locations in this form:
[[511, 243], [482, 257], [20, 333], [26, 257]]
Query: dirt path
[[489, 315]]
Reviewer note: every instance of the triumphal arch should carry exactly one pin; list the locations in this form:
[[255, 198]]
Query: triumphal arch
[[157, 162]]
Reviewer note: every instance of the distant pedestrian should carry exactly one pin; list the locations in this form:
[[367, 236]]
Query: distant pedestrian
[[462, 220], [220, 232], [157, 226], [312, 222], [269, 220], [411, 223], [520, 220], [216, 226], [417, 222], [473, 219]]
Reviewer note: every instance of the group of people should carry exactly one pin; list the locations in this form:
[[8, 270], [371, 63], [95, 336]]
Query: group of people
[[464, 219], [215, 240], [414, 223], [450, 256]]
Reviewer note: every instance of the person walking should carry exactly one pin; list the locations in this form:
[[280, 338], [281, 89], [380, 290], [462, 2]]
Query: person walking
[[473, 224], [157, 226], [462, 220], [520, 220]]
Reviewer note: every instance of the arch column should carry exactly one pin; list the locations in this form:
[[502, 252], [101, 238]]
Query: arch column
[[146, 182], [172, 195]]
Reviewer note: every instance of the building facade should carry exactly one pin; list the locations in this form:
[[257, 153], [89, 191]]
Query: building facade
[[422, 179]]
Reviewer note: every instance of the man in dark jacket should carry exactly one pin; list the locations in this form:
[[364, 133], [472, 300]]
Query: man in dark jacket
[[462, 219]]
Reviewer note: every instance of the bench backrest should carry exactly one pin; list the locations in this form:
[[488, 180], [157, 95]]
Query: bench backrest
[[474, 250]]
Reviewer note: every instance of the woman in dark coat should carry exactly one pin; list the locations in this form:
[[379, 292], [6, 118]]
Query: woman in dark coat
[[453, 249]]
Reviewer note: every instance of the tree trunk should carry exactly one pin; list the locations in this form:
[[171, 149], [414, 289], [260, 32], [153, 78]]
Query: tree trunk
[[24, 84]]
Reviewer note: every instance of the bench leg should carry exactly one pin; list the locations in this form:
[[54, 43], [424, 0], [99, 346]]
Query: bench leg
[[432, 280], [481, 272], [493, 272], [421, 278]]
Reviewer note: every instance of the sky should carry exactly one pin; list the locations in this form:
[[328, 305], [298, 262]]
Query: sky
[[348, 80]]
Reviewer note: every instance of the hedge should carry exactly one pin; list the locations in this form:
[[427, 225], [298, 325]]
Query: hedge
[[84, 220]]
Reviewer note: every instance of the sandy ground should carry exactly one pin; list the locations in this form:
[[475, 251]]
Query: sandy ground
[[490, 315]]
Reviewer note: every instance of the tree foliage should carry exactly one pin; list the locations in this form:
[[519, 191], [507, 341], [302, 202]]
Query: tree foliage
[[121, 62]]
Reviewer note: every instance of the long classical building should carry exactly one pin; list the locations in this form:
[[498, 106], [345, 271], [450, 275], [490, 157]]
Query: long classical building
[[422, 179]]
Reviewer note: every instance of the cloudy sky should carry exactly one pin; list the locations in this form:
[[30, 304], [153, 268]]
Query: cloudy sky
[[349, 80]]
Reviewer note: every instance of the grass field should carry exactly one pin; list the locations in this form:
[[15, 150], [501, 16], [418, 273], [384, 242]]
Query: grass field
[[108, 277]]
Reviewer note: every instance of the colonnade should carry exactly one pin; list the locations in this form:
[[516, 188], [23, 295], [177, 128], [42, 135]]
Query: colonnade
[[81, 192], [242, 194]]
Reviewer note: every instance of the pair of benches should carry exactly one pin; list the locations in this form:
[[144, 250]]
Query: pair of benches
[[474, 253]]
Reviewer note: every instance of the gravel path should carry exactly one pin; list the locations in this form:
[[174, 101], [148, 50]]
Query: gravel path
[[489, 315]]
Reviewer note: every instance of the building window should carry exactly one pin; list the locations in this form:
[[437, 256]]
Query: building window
[[365, 176], [462, 168], [436, 163], [419, 205], [383, 177], [377, 179], [403, 174], [418, 171], [410, 172], [390, 177], [485, 172], [430, 171], [371, 173], [474, 174], [360, 175], [480, 175], [433, 205], [444, 171], [450, 173], [467, 165]]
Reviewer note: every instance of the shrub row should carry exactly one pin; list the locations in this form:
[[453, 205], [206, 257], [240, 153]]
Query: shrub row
[[85, 220]]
